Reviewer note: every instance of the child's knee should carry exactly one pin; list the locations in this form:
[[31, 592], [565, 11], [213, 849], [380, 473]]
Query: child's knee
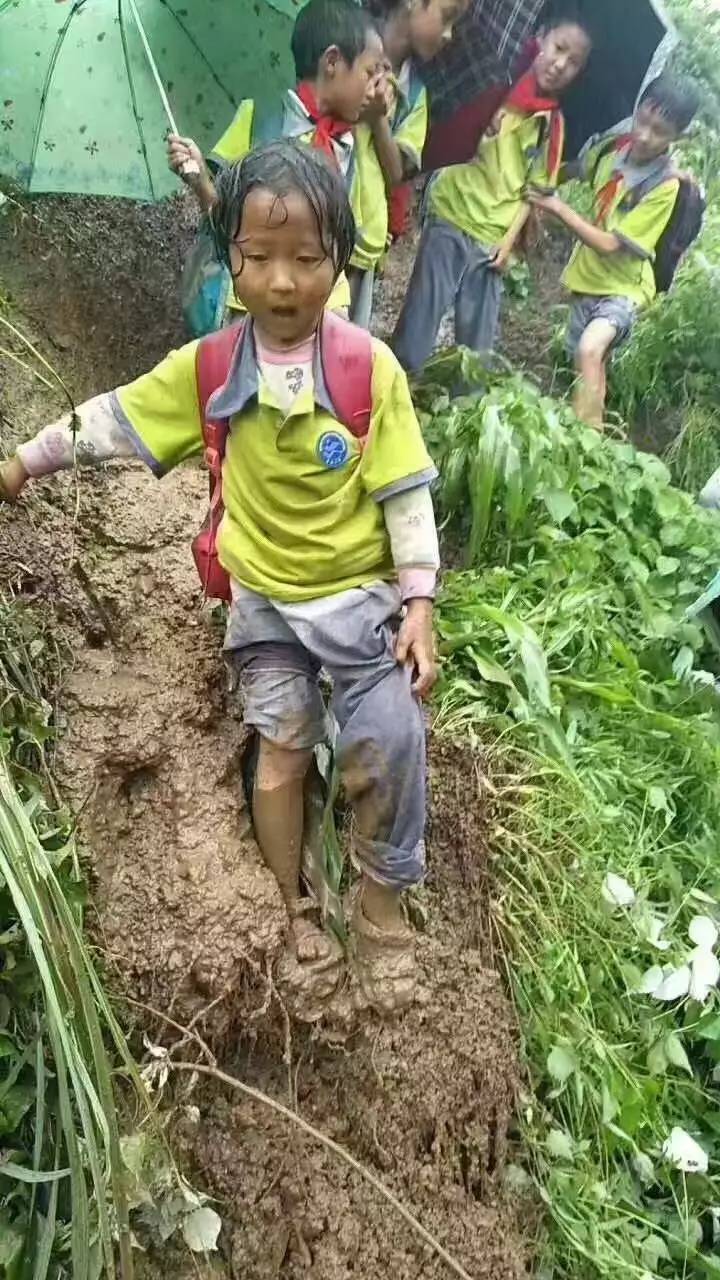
[[279, 766], [593, 347]]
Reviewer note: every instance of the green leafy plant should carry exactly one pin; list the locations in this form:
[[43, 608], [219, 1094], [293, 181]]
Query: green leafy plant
[[567, 654]]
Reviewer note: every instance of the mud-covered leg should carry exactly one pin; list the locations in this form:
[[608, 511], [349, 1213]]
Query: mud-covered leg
[[381, 755]]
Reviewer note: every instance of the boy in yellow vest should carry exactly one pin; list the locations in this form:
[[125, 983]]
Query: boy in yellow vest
[[610, 273]]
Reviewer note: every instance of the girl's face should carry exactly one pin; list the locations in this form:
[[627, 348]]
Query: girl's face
[[281, 271], [431, 25], [344, 88], [563, 53]]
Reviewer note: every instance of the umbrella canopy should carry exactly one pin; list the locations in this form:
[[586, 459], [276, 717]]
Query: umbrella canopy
[[488, 53], [80, 110]]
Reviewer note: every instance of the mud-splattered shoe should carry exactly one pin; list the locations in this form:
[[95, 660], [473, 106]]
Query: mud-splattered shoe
[[384, 961]]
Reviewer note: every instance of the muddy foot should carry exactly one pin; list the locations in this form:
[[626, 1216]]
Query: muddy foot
[[310, 971], [384, 962]]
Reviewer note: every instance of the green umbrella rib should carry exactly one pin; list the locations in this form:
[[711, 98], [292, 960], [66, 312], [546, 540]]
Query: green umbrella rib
[[48, 81], [188, 35], [133, 99]]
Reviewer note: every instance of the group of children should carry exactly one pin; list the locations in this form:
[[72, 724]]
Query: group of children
[[359, 97], [327, 535]]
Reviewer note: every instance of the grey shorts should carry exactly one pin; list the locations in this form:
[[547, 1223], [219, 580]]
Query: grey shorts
[[586, 307], [278, 650]]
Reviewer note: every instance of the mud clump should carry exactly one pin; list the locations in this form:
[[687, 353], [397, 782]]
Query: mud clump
[[190, 920]]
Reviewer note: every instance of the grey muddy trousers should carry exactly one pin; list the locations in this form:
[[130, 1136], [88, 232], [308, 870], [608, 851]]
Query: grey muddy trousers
[[279, 649], [450, 267]]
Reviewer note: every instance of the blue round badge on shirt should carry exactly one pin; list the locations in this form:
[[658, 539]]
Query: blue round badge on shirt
[[333, 450]]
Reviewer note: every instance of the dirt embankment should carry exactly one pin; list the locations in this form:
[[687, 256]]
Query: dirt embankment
[[190, 920]]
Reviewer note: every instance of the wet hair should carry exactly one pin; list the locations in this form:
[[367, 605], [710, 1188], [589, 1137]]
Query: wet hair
[[324, 23], [281, 168], [677, 98]]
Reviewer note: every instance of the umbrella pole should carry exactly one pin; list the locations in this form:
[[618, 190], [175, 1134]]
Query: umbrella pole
[[190, 167]]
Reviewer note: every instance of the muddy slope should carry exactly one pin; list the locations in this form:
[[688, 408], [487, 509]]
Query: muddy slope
[[190, 920]]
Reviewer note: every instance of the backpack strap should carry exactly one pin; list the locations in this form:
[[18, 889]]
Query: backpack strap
[[213, 358], [347, 364]]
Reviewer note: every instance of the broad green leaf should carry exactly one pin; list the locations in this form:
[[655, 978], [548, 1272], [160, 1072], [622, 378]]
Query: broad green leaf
[[561, 1063], [675, 1053], [560, 504], [560, 1145]]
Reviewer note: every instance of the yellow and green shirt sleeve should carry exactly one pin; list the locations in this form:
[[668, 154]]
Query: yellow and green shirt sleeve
[[394, 457], [237, 139], [160, 411]]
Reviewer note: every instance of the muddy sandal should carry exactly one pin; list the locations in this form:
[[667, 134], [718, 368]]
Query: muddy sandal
[[310, 982], [384, 963]]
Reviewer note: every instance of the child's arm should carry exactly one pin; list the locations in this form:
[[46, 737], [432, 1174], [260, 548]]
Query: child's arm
[[501, 254], [591, 235], [182, 152], [156, 418], [99, 438], [410, 522]]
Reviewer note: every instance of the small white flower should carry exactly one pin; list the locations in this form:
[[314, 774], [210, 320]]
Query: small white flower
[[705, 974], [650, 981], [650, 928], [675, 983], [616, 891], [703, 932], [684, 1153]]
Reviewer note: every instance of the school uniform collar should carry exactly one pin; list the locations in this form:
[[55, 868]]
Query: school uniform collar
[[242, 385], [298, 120], [634, 174]]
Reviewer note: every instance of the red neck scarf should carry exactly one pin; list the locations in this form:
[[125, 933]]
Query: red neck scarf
[[606, 195], [326, 128], [525, 98]]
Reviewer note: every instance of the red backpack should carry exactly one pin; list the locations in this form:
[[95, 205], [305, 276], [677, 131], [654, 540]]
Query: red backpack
[[346, 360]]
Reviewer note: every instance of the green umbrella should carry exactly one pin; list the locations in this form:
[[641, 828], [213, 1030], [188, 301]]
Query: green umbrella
[[80, 106]]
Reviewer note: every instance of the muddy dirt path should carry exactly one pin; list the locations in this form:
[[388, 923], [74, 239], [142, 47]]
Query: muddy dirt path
[[189, 919]]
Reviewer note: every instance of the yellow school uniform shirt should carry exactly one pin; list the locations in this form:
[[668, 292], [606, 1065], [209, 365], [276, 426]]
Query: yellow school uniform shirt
[[368, 189], [629, 272], [303, 514], [484, 197], [238, 139]]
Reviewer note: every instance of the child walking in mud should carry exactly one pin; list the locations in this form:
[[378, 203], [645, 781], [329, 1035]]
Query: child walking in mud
[[329, 540]]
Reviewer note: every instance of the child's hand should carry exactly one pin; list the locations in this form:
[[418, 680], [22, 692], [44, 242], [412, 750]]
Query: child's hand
[[414, 645], [185, 159], [500, 258], [13, 478], [379, 100], [543, 198]]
